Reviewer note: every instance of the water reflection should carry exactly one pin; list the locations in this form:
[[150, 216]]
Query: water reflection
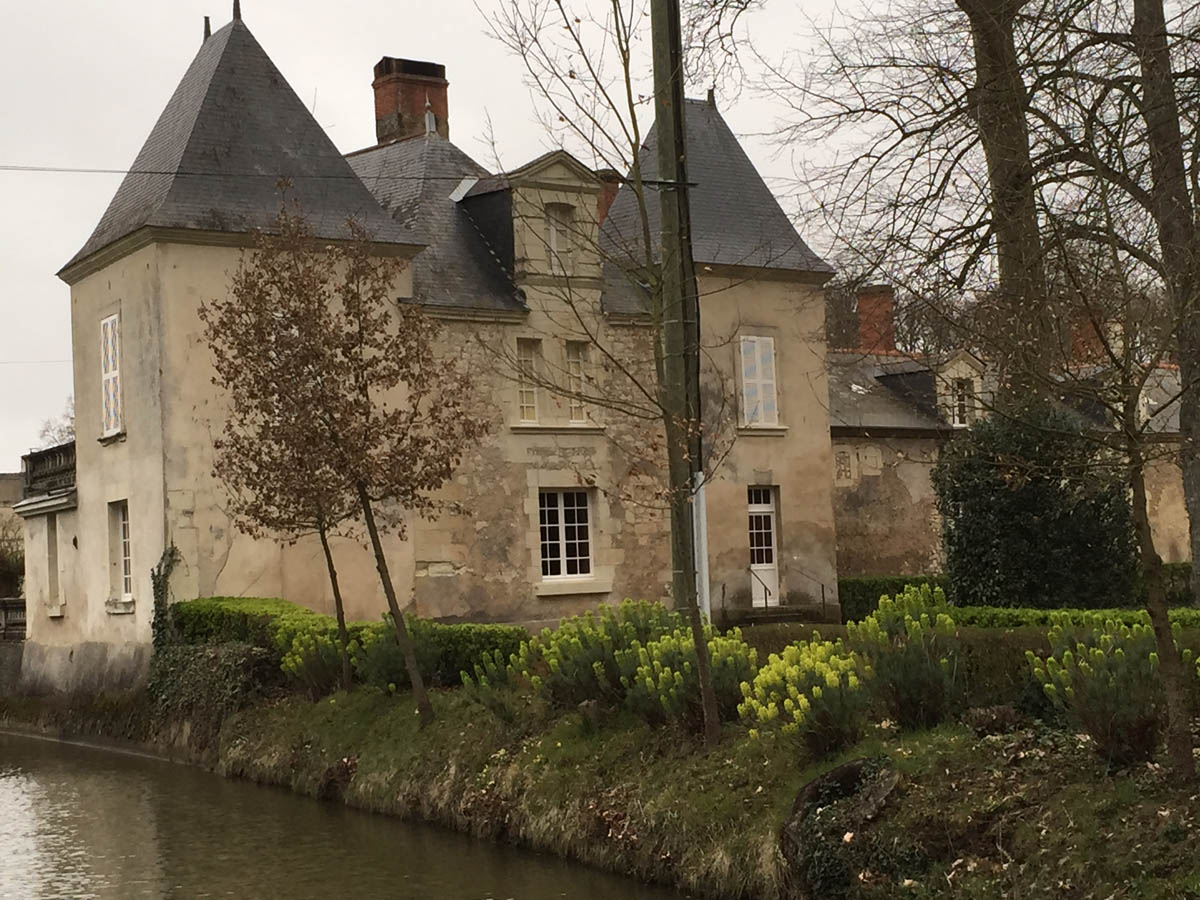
[[83, 823]]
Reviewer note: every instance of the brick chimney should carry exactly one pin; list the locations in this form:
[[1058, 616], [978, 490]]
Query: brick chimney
[[610, 183], [876, 322], [403, 88]]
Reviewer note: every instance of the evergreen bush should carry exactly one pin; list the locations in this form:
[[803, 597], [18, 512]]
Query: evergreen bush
[[443, 651], [314, 663], [1034, 515]]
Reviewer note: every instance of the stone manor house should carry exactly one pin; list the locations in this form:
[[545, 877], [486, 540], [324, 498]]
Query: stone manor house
[[549, 529]]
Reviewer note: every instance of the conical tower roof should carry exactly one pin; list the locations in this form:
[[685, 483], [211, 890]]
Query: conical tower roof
[[736, 220], [233, 128]]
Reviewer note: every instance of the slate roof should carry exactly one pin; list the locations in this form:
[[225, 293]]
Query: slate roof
[[230, 130], [881, 391], [412, 180], [859, 399], [736, 220]]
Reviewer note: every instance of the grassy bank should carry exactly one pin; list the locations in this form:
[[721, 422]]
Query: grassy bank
[[583, 743], [1028, 813]]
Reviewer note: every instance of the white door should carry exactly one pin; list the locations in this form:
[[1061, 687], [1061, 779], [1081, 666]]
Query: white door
[[764, 572]]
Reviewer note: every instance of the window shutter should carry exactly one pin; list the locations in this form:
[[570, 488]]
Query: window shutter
[[750, 409], [766, 374], [110, 374], [759, 401]]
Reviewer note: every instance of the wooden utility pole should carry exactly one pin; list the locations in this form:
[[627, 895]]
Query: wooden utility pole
[[681, 336]]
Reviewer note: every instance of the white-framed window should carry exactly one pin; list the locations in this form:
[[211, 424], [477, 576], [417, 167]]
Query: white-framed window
[[528, 351], [560, 223], [761, 505], [110, 375], [962, 402], [759, 404], [565, 533], [121, 551], [577, 378]]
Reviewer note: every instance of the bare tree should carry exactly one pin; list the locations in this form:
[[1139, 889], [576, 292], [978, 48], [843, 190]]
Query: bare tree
[[991, 141], [588, 67], [60, 429]]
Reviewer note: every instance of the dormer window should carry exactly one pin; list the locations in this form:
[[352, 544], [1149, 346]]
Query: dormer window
[[560, 223], [962, 402]]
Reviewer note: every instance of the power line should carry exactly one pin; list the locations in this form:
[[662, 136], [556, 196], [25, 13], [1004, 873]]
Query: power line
[[82, 170], [85, 170]]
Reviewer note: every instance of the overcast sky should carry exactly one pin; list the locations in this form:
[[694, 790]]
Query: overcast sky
[[84, 82]]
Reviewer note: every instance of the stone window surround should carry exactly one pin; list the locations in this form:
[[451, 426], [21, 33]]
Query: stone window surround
[[602, 532]]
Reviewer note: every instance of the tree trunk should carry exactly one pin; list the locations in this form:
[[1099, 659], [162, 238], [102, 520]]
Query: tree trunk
[[343, 634], [402, 636], [1179, 721], [680, 324], [1000, 102], [1177, 238]]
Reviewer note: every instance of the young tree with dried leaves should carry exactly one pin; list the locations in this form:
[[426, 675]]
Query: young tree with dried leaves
[[399, 416], [265, 336], [347, 409]]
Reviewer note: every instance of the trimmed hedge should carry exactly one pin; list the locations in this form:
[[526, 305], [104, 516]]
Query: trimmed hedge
[[443, 650], [859, 596], [1000, 617], [266, 622]]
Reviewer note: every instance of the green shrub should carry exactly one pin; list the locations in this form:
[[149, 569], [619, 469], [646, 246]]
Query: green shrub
[[859, 597], [1018, 617], [1107, 678], [204, 684], [1179, 584], [443, 651], [993, 669], [1034, 514], [578, 660], [661, 681], [269, 623], [910, 643], [813, 691]]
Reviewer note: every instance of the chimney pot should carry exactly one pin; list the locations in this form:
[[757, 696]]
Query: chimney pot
[[410, 96], [876, 318]]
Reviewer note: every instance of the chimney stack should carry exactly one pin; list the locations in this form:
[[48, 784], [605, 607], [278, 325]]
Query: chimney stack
[[876, 322], [610, 183], [402, 89]]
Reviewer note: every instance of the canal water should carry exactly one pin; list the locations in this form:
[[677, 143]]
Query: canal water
[[76, 822]]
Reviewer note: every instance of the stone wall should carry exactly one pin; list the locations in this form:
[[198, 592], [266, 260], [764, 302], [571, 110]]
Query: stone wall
[[883, 504]]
